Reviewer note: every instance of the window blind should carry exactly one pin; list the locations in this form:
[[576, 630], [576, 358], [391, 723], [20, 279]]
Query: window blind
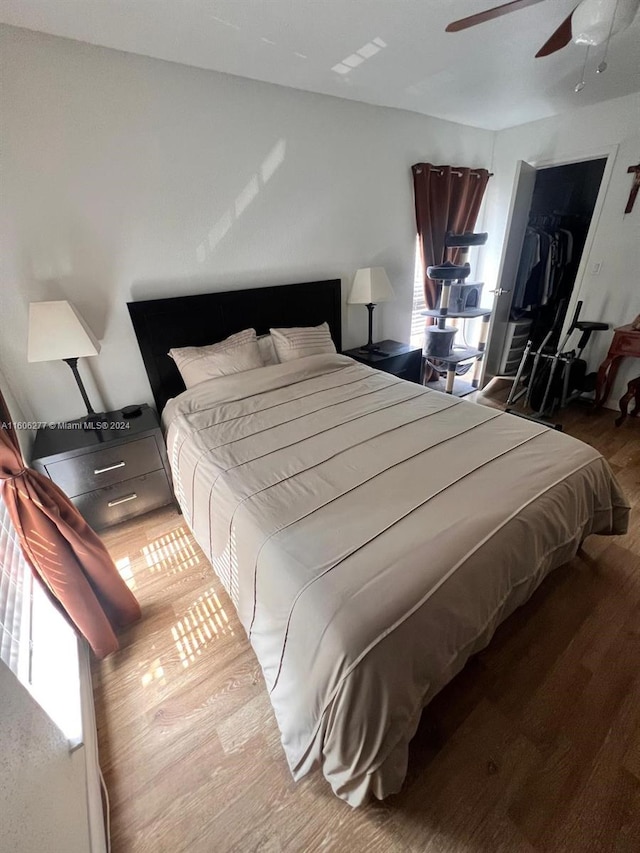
[[417, 320], [16, 593], [36, 643]]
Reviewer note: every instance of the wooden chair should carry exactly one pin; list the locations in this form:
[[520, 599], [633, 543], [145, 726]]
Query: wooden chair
[[633, 393]]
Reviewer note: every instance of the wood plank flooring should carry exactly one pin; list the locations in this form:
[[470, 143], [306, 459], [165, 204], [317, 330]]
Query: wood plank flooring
[[535, 746]]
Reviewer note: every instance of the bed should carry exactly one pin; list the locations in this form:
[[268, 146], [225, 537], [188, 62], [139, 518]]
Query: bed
[[371, 533]]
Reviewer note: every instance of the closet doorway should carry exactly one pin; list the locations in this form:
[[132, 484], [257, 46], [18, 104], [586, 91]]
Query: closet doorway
[[550, 217]]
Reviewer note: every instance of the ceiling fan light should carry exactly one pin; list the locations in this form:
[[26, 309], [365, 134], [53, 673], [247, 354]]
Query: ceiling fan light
[[593, 21]]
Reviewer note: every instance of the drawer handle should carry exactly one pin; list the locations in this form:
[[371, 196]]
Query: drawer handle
[[130, 497], [109, 468]]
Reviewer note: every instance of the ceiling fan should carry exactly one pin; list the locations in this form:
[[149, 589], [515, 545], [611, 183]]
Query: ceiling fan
[[591, 22]]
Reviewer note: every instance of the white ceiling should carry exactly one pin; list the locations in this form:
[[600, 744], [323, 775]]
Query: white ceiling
[[486, 76]]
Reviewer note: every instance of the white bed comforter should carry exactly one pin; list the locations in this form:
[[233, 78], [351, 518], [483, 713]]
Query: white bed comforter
[[372, 535]]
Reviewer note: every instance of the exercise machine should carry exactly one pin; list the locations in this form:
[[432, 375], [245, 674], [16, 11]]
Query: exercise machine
[[552, 378]]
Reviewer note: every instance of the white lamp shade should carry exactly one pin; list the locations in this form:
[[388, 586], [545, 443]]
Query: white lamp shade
[[370, 285], [56, 330]]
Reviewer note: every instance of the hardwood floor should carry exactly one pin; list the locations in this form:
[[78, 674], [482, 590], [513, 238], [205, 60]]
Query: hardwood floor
[[535, 746]]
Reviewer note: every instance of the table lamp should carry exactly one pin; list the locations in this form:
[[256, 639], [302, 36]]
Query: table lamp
[[57, 331], [370, 286]]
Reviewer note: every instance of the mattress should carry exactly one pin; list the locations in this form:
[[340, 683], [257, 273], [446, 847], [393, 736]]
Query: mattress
[[372, 534]]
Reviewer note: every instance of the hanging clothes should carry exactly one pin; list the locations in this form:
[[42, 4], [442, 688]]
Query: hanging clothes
[[547, 251], [529, 259]]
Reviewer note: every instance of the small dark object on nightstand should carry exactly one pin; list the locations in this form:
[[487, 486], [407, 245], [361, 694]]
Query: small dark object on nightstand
[[131, 411]]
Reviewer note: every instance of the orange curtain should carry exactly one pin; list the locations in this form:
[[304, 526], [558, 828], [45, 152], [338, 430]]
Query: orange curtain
[[62, 550], [447, 198]]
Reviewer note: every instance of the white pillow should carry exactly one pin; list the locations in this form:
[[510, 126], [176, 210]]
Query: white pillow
[[267, 350], [235, 354], [302, 341]]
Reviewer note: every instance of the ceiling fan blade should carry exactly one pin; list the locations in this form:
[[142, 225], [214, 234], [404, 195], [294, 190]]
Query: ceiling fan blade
[[558, 40], [489, 15]]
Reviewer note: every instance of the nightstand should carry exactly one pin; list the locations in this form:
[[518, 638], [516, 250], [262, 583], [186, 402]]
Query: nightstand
[[396, 358], [113, 470]]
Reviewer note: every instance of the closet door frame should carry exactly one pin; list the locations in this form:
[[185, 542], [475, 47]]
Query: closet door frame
[[517, 219], [609, 152]]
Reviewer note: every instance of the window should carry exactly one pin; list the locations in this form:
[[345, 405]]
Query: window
[[470, 329], [15, 602], [417, 320], [36, 643]]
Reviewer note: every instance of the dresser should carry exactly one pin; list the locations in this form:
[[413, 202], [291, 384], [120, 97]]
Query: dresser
[[112, 470], [625, 344], [393, 357]]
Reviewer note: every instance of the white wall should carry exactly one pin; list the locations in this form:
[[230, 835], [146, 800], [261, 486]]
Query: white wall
[[614, 295], [132, 178], [43, 799], [16, 410]]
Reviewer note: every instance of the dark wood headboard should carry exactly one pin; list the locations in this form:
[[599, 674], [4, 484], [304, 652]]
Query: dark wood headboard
[[181, 321]]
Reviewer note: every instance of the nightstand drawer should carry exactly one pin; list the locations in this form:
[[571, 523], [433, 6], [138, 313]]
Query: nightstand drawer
[[106, 466], [410, 374], [104, 507], [406, 366]]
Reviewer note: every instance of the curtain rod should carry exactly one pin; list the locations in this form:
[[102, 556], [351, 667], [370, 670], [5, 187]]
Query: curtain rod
[[459, 174], [473, 172]]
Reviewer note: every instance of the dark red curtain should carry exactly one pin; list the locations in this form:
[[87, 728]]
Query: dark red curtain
[[62, 550], [447, 198]]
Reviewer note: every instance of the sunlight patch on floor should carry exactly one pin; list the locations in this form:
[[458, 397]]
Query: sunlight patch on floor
[[154, 673], [126, 572], [173, 552], [203, 622]]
